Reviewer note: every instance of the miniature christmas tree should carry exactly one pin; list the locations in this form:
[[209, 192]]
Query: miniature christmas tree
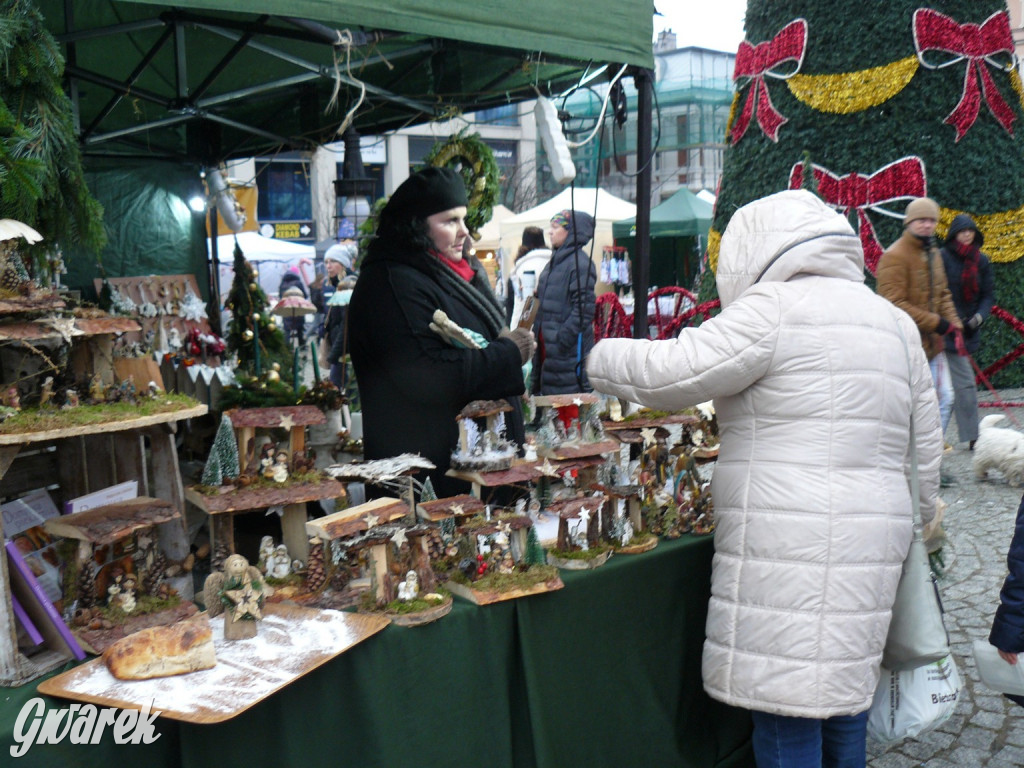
[[427, 493], [534, 551], [223, 459], [252, 332], [41, 178], [910, 99]]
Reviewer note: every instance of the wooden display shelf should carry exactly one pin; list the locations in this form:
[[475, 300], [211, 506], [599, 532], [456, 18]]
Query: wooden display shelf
[[24, 438]]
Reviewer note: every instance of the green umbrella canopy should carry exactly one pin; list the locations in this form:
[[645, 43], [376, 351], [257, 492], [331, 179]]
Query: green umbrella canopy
[[683, 214]]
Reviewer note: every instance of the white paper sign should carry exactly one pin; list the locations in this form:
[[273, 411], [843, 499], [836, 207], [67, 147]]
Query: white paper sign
[[27, 512], [121, 492]]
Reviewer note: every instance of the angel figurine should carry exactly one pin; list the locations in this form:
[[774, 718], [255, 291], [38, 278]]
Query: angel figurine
[[239, 592]]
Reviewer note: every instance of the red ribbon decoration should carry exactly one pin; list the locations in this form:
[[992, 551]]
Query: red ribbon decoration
[[901, 179], [753, 63], [934, 31]]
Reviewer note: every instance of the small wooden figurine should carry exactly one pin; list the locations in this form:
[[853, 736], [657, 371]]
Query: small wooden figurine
[[240, 592]]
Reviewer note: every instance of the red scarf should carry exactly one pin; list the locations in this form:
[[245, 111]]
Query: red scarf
[[969, 272], [462, 268]]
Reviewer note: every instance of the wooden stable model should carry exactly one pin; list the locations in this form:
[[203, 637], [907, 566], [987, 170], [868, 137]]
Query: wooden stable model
[[222, 505]]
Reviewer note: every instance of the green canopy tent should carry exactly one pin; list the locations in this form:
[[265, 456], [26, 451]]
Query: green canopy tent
[[676, 226], [160, 90]]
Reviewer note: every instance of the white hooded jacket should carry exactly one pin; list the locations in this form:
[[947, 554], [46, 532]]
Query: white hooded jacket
[[809, 375]]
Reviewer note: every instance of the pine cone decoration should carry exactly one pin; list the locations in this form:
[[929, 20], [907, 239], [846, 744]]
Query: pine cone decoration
[[86, 585], [154, 574], [316, 569], [14, 278]]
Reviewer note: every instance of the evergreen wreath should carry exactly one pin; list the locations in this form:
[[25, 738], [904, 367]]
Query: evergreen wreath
[[479, 171]]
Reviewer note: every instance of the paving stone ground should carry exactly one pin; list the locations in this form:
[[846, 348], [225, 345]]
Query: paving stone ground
[[986, 730]]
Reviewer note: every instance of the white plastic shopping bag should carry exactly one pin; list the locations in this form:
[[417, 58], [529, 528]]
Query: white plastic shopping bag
[[911, 702]]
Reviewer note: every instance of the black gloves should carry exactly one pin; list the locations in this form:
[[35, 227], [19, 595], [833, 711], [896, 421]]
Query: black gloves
[[944, 326]]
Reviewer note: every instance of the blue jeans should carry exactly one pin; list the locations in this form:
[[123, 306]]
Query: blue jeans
[[804, 742], [943, 387]]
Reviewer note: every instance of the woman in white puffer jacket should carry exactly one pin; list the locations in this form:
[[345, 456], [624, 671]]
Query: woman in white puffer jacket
[[813, 386]]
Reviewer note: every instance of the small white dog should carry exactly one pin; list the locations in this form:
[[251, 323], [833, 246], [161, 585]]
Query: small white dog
[[1001, 449]]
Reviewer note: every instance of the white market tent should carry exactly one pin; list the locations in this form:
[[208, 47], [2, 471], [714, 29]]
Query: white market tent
[[605, 207]]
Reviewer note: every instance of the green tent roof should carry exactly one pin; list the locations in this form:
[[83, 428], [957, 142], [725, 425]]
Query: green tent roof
[[681, 215], [207, 80]]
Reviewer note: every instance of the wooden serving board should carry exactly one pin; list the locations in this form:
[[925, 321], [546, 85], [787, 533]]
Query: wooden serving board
[[482, 597], [292, 641]]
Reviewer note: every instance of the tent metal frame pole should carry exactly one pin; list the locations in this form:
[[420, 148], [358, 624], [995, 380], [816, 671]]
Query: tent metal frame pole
[[643, 79]]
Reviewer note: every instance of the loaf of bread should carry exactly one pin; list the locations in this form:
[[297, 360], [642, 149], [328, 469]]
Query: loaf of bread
[[163, 651]]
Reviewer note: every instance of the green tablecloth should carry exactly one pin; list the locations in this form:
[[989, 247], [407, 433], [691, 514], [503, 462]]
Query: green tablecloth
[[605, 672]]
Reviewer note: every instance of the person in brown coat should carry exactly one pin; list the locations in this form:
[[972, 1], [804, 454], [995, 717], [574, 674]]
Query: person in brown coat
[[910, 274]]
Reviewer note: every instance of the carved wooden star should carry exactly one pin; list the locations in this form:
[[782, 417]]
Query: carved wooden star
[[287, 422], [577, 401], [548, 469], [399, 538], [371, 520], [247, 602], [584, 515], [648, 434], [457, 510]]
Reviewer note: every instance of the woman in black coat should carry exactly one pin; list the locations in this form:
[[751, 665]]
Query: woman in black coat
[[412, 381]]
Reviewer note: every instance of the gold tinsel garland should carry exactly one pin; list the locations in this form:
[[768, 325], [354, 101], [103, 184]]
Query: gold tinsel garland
[[853, 91]]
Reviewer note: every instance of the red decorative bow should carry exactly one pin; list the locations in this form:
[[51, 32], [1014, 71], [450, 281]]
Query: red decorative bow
[[900, 179], [934, 31], [753, 63]]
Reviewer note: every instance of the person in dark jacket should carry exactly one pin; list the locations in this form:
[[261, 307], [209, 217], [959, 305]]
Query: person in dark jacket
[[1007, 633], [972, 286], [413, 382], [565, 321]]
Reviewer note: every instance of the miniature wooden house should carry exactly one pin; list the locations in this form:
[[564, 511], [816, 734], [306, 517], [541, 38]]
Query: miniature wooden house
[[251, 425], [482, 443], [571, 427]]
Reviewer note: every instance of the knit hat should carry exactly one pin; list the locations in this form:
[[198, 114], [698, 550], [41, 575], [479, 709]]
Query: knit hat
[[342, 253], [562, 218], [921, 208], [426, 192]]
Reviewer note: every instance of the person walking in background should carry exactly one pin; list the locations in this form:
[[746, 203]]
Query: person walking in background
[[972, 286], [910, 275], [294, 327], [815, 380], [564, 326], [338, 261], [532, 257]]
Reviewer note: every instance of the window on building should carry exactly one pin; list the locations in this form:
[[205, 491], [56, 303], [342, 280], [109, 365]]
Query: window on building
[[683, 139], [284, 191], [507, 114]]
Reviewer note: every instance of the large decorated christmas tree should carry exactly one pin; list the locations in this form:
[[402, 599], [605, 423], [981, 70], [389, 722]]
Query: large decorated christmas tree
[[253, 332], [886, 102]]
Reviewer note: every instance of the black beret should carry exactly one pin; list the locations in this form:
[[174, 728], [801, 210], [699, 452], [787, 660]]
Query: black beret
[[426, 192]]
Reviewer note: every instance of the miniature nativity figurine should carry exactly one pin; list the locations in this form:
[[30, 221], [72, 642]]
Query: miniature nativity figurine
[[239, 592]]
